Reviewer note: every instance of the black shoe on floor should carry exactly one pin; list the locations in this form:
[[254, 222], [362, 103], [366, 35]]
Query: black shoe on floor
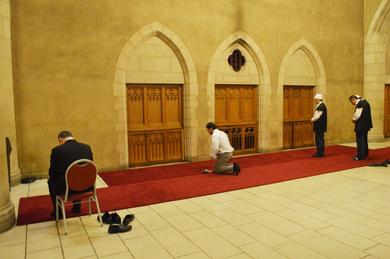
[[106, 218], [116, 219], [128, 219], [236, 169], [117, 228]]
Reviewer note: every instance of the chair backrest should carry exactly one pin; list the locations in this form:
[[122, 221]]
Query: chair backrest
[[80, 175]]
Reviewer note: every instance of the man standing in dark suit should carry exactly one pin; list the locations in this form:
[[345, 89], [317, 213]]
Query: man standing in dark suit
[[319, 120], [61, 157], [363, 123]]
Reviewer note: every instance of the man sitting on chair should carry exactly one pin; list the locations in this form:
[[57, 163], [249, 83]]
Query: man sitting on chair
[[61, 157]]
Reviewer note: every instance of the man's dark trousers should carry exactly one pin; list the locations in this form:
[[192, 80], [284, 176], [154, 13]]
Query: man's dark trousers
[[320, 142], [362, 144]]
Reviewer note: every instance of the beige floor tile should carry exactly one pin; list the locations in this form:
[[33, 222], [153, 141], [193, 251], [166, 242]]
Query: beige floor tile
[[242, 207], [47, 224], [52, 253], [44, 238], [107, 245], [142, 209], [384, 210], [165, 208], [77, 247], [222, 197], [380, 251], [264, 235], [207, 204], [92, 226], [345, 213], [311, 211], [152, 220], [199, 255], [265, 204], [384, 239], [137, 230], [378, 224], [14, 251], [302, 219], [277, 223], [240, 256], [146, 248], [355, 228], [350, 239], [125, 255], [75, 228], [326, 246], [276, 198], [212, 244], [15, 235], [232, 218], [187, 206], [257, 250], [242, 194], [207, 219], [174, 242], [296, 250], [234, 235], [182, 221], [382, 217], [357, 209]]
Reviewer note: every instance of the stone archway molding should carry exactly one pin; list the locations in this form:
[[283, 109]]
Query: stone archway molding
[[264, 88], [190, 92]]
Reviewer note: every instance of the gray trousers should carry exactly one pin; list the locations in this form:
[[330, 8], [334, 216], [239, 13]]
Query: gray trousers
[[222, 166]]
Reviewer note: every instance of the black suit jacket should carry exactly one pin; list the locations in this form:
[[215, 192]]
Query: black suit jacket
[[61, 157], [320, 125], [364, 123]]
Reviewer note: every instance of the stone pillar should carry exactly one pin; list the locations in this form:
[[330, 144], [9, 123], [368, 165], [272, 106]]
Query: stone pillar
[[7, 122], [374, 82]]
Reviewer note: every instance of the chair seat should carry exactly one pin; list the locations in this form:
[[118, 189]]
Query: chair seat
[[77, 197]]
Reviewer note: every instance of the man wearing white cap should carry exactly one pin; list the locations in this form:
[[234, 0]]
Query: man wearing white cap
[[319, 120]]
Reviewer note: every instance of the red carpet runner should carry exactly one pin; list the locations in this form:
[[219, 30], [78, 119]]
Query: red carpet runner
[[138, 187]]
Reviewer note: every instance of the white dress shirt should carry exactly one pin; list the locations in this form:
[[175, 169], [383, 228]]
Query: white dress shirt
[[317, 114], [358, 112], [220, 143]]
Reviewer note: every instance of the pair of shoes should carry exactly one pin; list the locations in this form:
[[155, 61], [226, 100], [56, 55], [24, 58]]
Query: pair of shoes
[[28, 179], [206, 171], [108, 218], [357, 158], [384, 163], [117, 228], [236, 169]]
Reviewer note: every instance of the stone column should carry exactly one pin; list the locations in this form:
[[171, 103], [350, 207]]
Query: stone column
[[7, 122], [374, 82]]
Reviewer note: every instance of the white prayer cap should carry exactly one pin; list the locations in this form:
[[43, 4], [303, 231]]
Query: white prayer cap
[[318, 97]]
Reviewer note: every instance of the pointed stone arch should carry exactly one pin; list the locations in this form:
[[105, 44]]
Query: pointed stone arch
[[190, 92], [320, 78], [375, 64], [264, 86]]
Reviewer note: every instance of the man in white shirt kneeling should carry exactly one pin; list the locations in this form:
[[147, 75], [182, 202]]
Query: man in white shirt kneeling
[[222, 151]]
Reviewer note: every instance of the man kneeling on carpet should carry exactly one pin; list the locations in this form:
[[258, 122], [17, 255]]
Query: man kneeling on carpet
[[222, 151], [61, 157]]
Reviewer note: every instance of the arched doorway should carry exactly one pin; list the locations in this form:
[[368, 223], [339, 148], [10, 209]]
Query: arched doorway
[[154, 78], [238, 98], [301, 76]]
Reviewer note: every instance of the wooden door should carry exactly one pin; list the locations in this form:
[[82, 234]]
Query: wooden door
[[297, 112], [386, 124], [235, 113], [154, 120]]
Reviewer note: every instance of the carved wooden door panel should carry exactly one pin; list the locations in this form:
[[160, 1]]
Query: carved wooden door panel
[[155, 124], [297, 111], [235, 113], [386, 124]]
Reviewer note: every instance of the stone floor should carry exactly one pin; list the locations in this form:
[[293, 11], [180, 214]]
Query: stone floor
[[339, 215]]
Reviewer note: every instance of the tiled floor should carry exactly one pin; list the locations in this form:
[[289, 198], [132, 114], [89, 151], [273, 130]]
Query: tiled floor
[[339, 215]]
